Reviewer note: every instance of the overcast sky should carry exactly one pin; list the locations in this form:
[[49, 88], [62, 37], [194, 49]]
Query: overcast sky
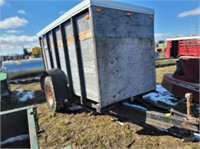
[[21, 20]]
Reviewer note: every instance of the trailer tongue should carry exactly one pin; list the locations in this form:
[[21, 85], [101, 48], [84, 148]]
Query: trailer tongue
[[158, 119], [157, 109]]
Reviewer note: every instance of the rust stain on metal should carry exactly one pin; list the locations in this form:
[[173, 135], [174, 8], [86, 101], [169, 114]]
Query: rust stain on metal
[[189, 96], [51, 45], [59, 43], [70, 40], [189, 126], [85, 35], [193, 120], [82, 36]]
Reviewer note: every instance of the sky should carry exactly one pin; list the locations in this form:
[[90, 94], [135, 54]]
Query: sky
[[21, 20]]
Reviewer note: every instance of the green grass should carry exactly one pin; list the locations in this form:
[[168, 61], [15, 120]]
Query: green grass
[[165, 62], [161, 71]]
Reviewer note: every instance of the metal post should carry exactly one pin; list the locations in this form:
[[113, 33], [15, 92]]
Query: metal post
[[80, 60], [49, 49], [43, 53], [56, 48], [66, 51], [189, 96]]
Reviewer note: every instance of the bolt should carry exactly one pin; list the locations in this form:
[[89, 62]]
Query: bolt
[[189, 96]]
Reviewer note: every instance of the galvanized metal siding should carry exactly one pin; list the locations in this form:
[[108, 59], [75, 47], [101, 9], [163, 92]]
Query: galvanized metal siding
[[61, 51], [111, 58], [72, 58], [125, 54], [52, 49], [85, 32], [115, 23], [46, 51], [125, 71]]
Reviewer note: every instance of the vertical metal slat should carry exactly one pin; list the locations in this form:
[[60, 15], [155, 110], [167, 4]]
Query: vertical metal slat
[[66, 51], [56, 48], [50, 54], [80, 60], [43, 53]]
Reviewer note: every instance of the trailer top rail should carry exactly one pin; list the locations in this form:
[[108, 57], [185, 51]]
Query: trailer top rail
[[101, 3], [184, 38]]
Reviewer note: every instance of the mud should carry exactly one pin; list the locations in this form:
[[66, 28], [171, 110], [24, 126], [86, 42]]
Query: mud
[[85, 129]]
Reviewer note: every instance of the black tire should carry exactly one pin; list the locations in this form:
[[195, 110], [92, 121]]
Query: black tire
[[54, 104]]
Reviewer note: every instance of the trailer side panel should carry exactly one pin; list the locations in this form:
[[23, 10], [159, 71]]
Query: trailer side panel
[[125, 54]]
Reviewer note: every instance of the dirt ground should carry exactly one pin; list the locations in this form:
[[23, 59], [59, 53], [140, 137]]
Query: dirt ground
[[85, 129]]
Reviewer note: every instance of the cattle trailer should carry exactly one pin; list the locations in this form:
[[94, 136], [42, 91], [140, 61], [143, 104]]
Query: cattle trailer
[[183, 46], [101, 52]]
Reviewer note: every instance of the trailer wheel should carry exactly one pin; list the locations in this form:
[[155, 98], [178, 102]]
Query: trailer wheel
[[54, 104]]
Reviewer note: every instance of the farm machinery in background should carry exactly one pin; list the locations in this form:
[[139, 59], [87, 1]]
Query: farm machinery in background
[[161, 46], [32, 53], [186, 77], [17, 67]]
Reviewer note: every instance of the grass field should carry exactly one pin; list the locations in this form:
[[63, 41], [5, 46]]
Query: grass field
[[161, 71]]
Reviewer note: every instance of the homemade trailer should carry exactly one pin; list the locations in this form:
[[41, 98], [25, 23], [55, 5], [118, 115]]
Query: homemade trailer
[[100, 53]]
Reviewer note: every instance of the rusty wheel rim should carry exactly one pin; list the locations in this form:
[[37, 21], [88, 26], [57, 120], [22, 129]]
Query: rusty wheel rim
[[49, 95]]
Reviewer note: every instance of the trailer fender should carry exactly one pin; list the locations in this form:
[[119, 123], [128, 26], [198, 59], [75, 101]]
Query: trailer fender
[[59, 84]]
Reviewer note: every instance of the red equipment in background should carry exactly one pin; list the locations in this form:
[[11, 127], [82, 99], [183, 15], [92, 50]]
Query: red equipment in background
[[186, 77], [189, 46]]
